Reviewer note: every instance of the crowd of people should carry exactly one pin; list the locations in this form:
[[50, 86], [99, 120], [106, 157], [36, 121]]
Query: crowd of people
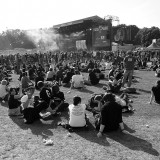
[[47, 72]]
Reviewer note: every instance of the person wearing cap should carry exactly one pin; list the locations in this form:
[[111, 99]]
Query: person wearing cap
[[155, 92], [111, 115], [128, 63], [4, 90]]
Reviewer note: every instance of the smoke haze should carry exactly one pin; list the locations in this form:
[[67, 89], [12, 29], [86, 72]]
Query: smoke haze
[[44, 39]]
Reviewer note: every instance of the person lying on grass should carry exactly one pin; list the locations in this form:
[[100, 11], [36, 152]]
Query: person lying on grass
[[14, 102], [155, 93], [111, 115], [95, 103]]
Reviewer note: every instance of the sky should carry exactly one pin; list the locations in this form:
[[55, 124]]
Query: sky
[[34, 14]]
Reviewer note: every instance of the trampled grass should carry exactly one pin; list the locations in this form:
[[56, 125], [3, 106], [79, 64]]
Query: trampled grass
[[20, 141]]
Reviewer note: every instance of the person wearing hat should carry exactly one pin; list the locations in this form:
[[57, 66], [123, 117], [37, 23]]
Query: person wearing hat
[[111, 115], [4, 91], [128, 63]]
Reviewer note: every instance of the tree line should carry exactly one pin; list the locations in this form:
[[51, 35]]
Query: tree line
[[139, 36], [16, 38]]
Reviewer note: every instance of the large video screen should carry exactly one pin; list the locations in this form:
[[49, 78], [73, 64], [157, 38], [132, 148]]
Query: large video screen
[[100, 36]]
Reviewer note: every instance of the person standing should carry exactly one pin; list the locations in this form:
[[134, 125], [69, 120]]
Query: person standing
[[128, 63]]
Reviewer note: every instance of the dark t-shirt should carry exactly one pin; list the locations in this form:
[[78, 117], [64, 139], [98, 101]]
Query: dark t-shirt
[[66, 79], [156, 92], [31, 71], [129, 62], [59, 95], [37, 79], [93, 78], [45, 94], [13, 103], [111, 116]]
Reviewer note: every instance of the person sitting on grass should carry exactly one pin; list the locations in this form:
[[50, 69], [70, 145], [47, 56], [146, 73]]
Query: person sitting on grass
[[66, 80], [94, 103], [112, 72], [50, 75], [45, 92], [26, 82], [14, 102], [115, 84], [31, 110], [38, 78], [111, 116], [155, 92], [59, 99], [92, 78], [77, 81], [4, 91], [157, 72], [77, 111]]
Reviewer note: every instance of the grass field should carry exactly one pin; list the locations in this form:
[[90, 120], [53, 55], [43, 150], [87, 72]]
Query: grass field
[[19, 141]]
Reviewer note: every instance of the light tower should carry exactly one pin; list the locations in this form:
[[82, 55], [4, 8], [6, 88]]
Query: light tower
[[112, 18]]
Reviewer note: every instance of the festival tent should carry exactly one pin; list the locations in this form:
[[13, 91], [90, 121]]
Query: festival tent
[[153, 46]]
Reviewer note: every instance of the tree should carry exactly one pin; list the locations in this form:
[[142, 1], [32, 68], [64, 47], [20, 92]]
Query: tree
[[146, 35]]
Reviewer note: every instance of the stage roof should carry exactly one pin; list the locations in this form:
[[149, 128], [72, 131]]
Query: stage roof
[[94, 19]]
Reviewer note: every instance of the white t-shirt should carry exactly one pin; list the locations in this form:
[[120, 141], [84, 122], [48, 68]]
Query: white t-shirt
[[50, 74], [78, 80], [77, 115], [27, 103], [3, 91]]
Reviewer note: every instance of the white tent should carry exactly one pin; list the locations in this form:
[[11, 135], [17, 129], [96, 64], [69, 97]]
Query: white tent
[[153, 46]]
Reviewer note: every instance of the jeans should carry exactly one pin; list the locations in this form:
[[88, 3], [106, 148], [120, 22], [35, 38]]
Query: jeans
[[127, 74]]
